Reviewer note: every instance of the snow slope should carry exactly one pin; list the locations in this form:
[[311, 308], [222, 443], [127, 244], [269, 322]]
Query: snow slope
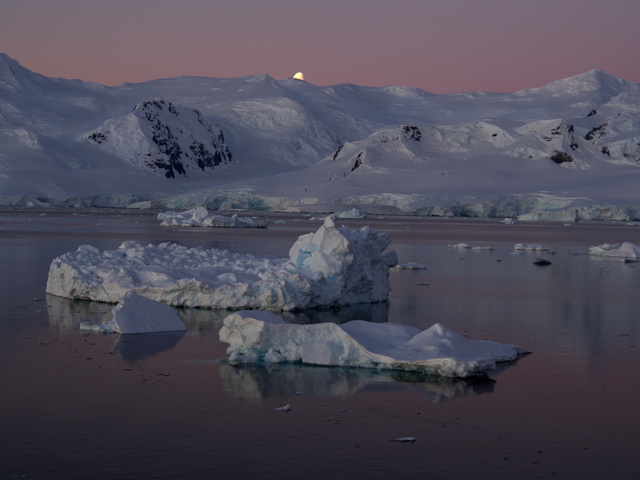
[[567, 149]]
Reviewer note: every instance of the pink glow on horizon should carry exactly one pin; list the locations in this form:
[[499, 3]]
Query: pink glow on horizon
[[441, 46]]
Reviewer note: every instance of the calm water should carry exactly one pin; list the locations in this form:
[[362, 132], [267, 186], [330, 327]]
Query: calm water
[[78, 406]]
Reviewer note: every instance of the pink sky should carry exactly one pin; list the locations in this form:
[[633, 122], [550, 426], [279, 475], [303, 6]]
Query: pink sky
[[440, 46]]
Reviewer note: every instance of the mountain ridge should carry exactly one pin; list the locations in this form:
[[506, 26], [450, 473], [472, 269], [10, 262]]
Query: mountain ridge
[[289, 144]]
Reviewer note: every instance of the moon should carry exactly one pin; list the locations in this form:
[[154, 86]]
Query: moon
[[299, 76]]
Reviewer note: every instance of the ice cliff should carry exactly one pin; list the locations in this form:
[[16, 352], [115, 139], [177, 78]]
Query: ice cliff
[[260, 336], [333, 266]]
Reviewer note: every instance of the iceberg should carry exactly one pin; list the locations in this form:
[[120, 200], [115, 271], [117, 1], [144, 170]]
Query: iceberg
[[627, 250], [200, 217], [137, 314], [332, 267], [263, 337], [409, 266], [530, 247]]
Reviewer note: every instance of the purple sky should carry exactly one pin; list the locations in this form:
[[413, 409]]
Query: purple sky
[[440, 46]]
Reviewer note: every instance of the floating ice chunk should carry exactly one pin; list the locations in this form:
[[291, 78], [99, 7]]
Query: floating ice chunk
[[200, 217], [626, 250], [265, 337], [137, 314], [104, 327], [331, 267], [463, 246], [531, 247], [353, 213], [410, 266]]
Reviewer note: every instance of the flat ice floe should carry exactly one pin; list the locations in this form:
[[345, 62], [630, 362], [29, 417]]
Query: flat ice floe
[[200, 217], [333, 266], [263, 337]]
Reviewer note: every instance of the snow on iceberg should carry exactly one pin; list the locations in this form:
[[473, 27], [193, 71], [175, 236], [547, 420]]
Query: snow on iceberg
[[200, 217], [137, 314], [331, 267], [261, 336], [624, 251]]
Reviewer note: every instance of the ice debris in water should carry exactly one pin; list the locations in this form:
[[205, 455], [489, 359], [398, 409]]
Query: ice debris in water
[[531, 247], [331, 267], [465, 246], [353, 213], [410, 266], [136, 314], [263, 337], [200, 217], [627, 250]]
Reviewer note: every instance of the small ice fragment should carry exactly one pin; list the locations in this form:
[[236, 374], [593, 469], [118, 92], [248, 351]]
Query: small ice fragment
[[284, 408]]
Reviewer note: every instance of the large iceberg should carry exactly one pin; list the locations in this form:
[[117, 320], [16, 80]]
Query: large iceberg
[[333, 266], [261, 336]]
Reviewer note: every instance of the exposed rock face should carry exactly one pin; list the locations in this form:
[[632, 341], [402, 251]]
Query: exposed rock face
[[165, 138]]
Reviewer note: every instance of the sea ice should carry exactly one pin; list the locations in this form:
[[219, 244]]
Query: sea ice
[[137, 314], [261, 336], [200, 217], [331, 267]]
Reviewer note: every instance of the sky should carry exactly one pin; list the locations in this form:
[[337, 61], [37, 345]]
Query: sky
[[441, 46]]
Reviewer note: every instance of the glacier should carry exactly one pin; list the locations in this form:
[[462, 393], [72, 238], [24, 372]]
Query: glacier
[[330, 267], [263, 337]]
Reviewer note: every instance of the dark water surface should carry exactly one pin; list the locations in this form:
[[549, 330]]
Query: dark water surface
[[79, 406]]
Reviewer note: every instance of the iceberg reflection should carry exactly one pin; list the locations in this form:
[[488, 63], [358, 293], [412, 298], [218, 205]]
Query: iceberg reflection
[[256, 382]]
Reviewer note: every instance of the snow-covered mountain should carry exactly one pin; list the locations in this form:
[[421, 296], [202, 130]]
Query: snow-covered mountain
[[564, 149], [159, 136]]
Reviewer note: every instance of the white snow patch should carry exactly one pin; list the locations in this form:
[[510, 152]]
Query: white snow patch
[[333, 266], [265, 337]]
